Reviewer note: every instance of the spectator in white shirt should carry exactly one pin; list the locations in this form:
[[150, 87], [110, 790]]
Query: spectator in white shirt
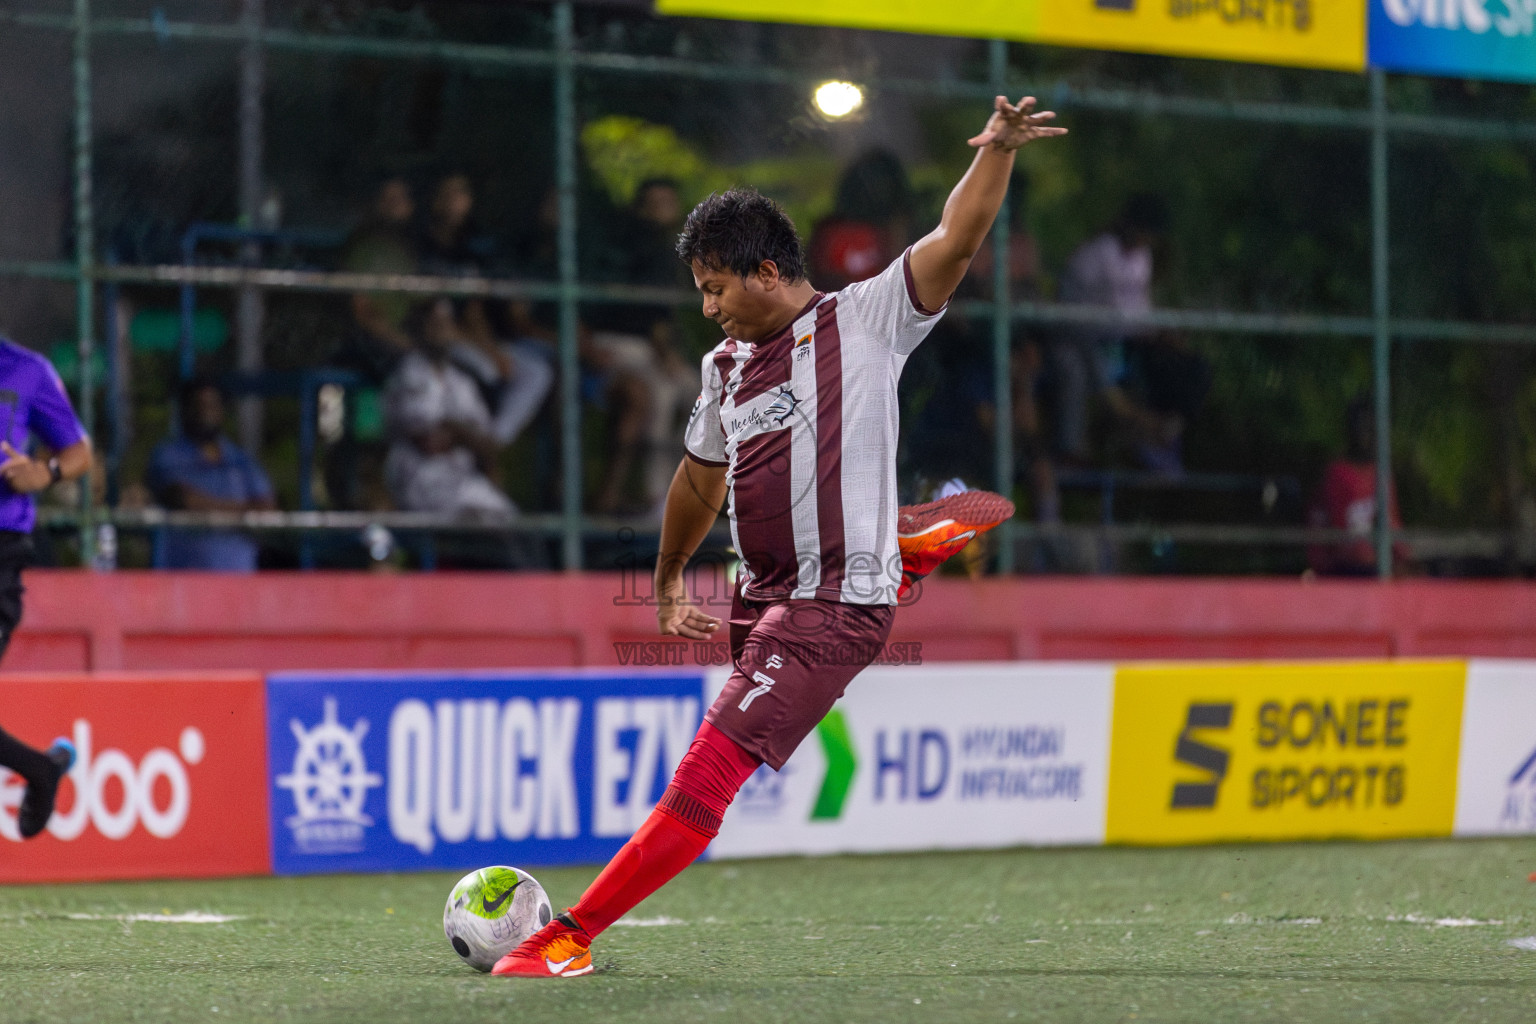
[[1113, 270], [442, 453]]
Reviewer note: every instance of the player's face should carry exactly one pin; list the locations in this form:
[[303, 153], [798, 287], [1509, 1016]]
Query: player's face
[[742, 306]]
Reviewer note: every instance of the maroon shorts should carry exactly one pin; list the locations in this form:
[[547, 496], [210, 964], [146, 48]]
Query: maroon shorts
[[793, 660]]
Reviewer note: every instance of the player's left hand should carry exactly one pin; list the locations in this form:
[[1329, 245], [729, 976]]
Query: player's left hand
[[676, 615], [1013, 124], [24, 473]]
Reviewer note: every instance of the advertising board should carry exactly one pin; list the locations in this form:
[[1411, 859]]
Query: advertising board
[[937, 757], [1459, 38], [1496, 781], [1306, 33], [168, 781], [1211, 753], [393, 772], [195, 775]]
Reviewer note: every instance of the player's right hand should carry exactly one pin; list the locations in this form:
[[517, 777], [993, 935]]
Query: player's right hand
[[1013, 124], [676, 615]]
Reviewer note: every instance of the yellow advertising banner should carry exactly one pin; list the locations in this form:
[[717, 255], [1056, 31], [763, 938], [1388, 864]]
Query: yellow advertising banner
[[1304, 33], [977, 19], [1206, 753]]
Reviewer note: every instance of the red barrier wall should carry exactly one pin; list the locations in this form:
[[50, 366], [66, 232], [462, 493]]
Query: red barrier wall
[[142, 620]]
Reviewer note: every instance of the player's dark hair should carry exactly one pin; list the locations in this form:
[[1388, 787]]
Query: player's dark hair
[[737, 231]]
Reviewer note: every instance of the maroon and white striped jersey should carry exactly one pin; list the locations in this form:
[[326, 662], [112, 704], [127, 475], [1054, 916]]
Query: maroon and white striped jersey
[[806, 422]]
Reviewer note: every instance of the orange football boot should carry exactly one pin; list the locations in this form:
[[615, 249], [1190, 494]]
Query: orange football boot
[[561, 949], [929, 534]]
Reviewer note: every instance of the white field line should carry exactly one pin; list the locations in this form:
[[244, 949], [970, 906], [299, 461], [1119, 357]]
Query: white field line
[[1526, 943], [191, 917], [1237, 919]]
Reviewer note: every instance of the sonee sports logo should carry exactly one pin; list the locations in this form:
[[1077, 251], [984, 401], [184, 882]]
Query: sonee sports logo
[[1211, 760]]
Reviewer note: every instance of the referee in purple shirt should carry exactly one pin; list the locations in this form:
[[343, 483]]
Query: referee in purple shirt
[[32, 403]]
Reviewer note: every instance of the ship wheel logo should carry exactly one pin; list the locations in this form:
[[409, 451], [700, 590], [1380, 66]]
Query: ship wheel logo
[[330, 778]]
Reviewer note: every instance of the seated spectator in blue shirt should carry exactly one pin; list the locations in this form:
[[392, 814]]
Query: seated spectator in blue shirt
[[204, 471]]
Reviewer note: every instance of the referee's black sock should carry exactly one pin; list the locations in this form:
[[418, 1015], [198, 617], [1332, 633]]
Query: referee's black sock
[[30, 764]]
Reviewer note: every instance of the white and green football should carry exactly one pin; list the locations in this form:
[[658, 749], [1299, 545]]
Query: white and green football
[[491, 911]]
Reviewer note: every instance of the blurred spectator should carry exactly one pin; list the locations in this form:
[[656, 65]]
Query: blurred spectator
[[1346, 500], [948, 383], [637, 343], [1031, 448], [375, 342], [957, 423], [619, 366], [870, 223], [1023, 253], [648, 243], [382, 244], [204, 471], [1113, 270], [442, 454], [1170, 381], [516, 375]]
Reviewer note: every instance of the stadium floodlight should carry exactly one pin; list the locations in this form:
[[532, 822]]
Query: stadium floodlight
[[838, 99]]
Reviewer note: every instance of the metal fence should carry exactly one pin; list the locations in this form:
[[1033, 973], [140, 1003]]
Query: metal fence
[[565, 63]]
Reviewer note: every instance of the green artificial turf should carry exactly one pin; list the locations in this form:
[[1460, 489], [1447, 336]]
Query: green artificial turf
[[1285, 933]]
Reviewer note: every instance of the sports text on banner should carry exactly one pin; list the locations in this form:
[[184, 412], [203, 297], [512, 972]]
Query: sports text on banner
[[1305, 33], [1301, 751]]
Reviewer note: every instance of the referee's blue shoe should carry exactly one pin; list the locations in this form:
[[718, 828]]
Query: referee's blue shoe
[[37, 802]]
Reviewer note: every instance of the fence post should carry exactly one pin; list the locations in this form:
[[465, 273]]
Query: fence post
[[565, 183], [250, 309], [1381, 347], [85, 271], [1002, 330]]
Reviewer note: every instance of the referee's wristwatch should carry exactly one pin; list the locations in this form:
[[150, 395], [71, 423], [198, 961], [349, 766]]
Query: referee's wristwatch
[[55, 473]]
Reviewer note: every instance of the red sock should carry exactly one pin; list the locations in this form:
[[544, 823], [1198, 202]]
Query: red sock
[[686, 819]]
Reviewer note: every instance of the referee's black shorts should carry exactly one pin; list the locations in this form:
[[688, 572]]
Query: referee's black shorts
[[15, 555]]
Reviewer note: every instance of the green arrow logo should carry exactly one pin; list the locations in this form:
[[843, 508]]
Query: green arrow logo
[[841, 765]]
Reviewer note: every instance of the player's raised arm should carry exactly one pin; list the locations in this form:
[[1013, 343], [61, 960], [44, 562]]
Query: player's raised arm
[[941, 257]]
